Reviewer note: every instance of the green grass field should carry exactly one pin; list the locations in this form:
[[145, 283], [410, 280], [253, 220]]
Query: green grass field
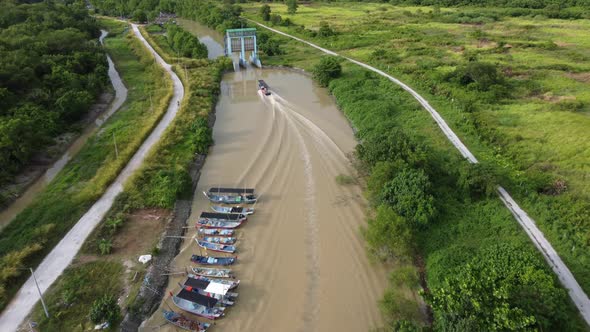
[[38, 228], [536, 136]]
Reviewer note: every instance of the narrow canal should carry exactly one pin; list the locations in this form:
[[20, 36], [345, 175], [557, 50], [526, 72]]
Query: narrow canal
[[7, 214], [301, 258]]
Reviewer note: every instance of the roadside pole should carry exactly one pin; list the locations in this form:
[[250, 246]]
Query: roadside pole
[[40, 295]]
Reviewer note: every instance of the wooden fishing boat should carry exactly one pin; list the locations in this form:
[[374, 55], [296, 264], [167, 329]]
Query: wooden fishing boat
[[216, 247], [212, 272], [216, 231], [216, 216], [214, 290], [231, 195], [233, 283], [232, 209], [219, 239], [179, 320], [218, 224], [263, 87], [198, 304], [212, 260]]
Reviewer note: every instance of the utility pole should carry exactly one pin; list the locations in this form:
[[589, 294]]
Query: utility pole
[[116, 150], [40, 295]]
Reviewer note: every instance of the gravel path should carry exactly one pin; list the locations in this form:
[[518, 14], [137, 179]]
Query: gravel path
[[576, 292], [62, 255]]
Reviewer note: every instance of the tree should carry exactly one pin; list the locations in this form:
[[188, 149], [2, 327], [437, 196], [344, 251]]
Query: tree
[[265, 13], [105, 309], [388, 234], [326, 70], [139, 16], [504, 287], [409, 195], [292, 6], [478, 180]]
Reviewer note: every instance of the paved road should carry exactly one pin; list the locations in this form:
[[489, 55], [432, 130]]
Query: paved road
[[566, 278], [62, 255]]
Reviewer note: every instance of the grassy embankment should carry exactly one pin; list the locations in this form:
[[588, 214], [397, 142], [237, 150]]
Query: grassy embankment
[[163, 178], [421, 49], [531, 124], [38, 228]]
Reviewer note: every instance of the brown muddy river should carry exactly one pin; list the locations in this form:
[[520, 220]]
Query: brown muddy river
[[301, 258]]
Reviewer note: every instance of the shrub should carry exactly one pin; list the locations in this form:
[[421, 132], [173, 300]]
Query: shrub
[[139, 16], [292, 6], [265, 13], [327, 69], [325, 30], [388, 235], [105, 246], [344, 180], [105, 309]]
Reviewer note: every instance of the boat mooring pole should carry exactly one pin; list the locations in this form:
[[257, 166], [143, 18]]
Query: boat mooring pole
[[40, 295]]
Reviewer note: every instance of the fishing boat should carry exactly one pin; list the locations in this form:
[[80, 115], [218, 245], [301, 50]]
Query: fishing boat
[[263, 87], [214, 290], [216, 246], [232, 209], [179, 320], [231, 195], [211, 260], [197, 283], [198, 304], [233, 283], [216, 231], [216, 216], [220, 239], [218, 224], [212, 272]]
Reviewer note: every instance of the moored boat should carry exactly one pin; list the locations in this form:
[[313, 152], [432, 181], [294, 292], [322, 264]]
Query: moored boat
[[215, 216], [232, 209], [214, 290], [216, 246], [218, 224], [198, 304], [212, 272], [233, 283], [219, 239], [179, 320], [216, 231], [211, 260], [231, 195]]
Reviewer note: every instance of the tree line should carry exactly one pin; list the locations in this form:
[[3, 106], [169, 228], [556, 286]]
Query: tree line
[[51, 71]]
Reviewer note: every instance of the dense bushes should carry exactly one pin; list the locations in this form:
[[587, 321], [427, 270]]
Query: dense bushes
[[327, 69], [105, 309], [184, 43], [51, 70]]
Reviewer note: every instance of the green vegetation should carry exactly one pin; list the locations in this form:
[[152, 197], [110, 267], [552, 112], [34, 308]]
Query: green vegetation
[[35, 231], [82, 293], [184, 43], [327, 69], [344, 180], [51, 71]]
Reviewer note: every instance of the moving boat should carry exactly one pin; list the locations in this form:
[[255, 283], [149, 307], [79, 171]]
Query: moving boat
[[198, 304], [215, 216], [179, 320], [231, 195], [212, 260], [219, 240], [231, 282], [233, 209], [218, 224], [216, 231], [263, 87], [213, 273], [216, 247]]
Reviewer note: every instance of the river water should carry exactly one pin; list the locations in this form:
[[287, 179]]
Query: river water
[[301, 258], [34, 189]]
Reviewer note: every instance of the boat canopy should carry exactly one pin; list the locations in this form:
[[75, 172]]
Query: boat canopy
[[224, 216], [231, 190], [196, 283], [217, 288], [197, 298]]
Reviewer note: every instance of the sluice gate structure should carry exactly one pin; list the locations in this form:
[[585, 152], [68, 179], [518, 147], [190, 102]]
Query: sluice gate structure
[[242, 41]]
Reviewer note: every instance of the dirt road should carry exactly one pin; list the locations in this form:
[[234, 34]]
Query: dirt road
[[577, 294], [62, 255]]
